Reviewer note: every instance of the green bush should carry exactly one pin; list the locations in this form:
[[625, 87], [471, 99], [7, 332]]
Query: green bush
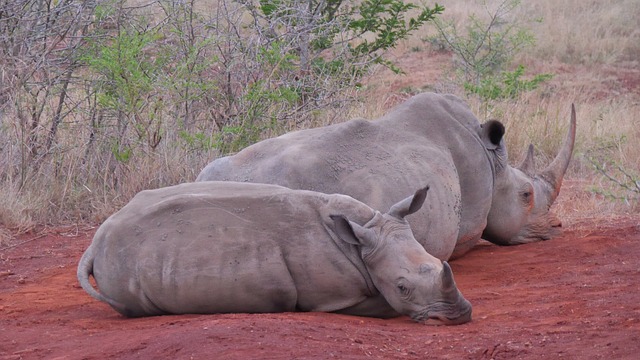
[[104, 98], [485, 49], [507, 85], [487, 44]]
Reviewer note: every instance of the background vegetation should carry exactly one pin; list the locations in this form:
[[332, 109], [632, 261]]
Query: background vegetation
[[101, 99]]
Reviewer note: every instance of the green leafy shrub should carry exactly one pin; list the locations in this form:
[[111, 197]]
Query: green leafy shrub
[[386, 20], [507, 85], [485, 49], [105, 98], [486, 45]]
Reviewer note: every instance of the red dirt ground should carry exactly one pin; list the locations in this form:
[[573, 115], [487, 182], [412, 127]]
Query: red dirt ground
[[576, 297]]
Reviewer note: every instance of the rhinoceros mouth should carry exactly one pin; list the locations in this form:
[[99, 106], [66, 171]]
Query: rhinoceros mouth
[[437, 318], [546, 227]]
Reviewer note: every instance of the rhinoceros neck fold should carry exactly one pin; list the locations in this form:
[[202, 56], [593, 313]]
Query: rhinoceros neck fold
[[352, 253]]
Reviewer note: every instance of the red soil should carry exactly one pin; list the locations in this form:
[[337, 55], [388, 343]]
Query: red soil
[[575, 297]]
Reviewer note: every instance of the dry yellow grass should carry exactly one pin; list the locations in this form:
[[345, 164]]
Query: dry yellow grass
[[589, 32], [592, 48]]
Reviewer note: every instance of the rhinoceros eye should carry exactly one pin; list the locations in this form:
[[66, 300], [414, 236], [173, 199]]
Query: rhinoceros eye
[[404, 290], [527, 195], [527, 199]]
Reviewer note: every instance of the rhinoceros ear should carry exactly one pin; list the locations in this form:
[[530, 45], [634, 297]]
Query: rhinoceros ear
[[491, 134], [409, 205], [352, 233]]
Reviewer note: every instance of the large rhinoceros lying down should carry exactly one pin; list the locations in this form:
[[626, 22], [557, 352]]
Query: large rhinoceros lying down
[[430, 139], [221, 247]]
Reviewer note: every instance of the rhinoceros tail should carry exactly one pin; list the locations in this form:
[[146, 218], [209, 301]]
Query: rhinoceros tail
[[85, 269]]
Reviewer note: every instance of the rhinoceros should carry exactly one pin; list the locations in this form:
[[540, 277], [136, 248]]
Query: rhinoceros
[[430, 138], [226, 247]]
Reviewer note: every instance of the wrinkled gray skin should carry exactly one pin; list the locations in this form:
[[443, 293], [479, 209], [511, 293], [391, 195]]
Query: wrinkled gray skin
[[430, 139], [226, 247]]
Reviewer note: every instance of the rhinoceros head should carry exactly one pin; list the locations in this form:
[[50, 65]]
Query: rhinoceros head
[[522, 198], [412, 281]]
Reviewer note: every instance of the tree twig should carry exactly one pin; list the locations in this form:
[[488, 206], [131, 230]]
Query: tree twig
[[23, 242]]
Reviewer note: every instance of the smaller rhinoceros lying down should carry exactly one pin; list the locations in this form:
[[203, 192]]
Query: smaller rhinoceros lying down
[[226, 247]]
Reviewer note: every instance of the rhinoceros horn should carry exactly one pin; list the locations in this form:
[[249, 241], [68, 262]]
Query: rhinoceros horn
[[448, 284], [554, 173], [528, 164]]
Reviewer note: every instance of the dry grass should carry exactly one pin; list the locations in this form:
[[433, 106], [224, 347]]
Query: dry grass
[[586, 32], [15, 210], [591, 47], [571, 32]]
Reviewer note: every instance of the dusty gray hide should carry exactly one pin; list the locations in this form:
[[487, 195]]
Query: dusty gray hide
[[222, 247], [429, 139]]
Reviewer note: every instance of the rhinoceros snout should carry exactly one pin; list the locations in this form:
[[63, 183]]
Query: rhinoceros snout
[[464, 318], [449, 314]]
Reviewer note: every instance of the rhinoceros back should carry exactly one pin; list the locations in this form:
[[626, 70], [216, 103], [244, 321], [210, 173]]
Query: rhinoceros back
[[224, 247], [431, 139]]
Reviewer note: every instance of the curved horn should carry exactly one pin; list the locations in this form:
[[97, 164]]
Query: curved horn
[[448, 283], [528, 164], [554, 173]]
